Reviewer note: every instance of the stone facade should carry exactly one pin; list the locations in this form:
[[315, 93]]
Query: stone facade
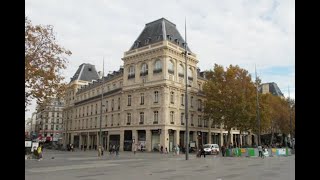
[[143, 103]]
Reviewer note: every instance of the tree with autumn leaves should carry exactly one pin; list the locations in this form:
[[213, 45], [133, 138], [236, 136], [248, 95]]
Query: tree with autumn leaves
[[44, 60], [231, 100]]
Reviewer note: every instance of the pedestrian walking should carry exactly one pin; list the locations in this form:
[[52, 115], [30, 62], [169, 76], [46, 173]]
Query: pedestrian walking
[[177, 150], [39, 152], [260, 151], [117, 150], [203, 152], [166, 150], [134, 148], [99, 151], [102, 149], [161, 149], [223, 150]]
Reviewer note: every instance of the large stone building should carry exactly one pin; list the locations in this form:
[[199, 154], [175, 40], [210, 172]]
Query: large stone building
[[271, 88], [143, 102], [49, 120]]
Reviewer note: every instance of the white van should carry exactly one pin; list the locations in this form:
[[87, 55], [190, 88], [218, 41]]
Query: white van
[[211, 148]]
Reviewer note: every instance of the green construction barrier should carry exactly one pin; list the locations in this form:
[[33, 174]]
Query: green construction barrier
[[251, 151], [239, 152], [228, 154], [287, 152]]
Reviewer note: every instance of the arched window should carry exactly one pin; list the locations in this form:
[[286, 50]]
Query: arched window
[[181, 71], [171, 67], [144, 69], [157, 66], [131, 72]]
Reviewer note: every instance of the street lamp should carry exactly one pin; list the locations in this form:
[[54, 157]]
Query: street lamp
[[100, 140]]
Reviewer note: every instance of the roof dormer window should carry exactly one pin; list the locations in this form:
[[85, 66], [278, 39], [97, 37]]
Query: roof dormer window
[[169, 37], [177, 41], [147, 41]]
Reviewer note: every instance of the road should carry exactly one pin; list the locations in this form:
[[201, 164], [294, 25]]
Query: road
[[79, 165]]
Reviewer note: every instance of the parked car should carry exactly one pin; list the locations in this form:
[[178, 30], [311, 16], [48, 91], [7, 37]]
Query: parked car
[[211, 148]]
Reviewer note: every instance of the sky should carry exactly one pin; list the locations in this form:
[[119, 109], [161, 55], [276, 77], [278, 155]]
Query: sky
[[248, 33]]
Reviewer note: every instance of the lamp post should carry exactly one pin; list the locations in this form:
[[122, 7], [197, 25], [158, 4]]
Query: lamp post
[[100, 140], [186, 92]]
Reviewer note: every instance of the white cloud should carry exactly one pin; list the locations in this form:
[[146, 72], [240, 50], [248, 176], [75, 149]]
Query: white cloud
[[244, 32]]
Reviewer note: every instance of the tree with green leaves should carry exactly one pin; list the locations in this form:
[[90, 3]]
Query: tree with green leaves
[[230, 98], [44, 59]]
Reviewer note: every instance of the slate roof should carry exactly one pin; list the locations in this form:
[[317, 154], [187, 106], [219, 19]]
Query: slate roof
[[157, 31], [86, 72], [273, 89]]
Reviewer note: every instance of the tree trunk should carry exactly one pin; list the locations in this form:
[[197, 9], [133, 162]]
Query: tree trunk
[[272, 133], [229, 138]]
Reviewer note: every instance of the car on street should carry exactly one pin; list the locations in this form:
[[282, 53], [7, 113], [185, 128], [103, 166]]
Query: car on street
[[211, 148]]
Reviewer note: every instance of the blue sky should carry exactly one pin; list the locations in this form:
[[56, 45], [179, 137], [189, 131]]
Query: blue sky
[[248, 33]]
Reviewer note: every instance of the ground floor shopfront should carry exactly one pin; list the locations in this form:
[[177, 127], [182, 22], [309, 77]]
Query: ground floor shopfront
[[151, 139]]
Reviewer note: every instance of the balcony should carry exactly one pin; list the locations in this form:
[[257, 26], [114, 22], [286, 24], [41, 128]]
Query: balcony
[[192, 124], [130, 76], [170, 71], [155, 122], [144, 73], [128, 123], [171, 122], [190, 78], [182, 123], [199, 125], [140, 122], [200, 109], [157, 71], [181, 75]]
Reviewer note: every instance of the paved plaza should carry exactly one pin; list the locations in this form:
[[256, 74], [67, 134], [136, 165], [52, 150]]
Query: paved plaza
[[80, 165]]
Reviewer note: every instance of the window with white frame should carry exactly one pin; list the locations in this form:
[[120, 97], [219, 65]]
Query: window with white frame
[[129, 100], [128, 118], [112, 120], [171, 117], [199, 121], [141, 118], [144, 69], [171, 67], [182, 118], [181, 71], [112, 104], [155, 117], [157, 66], [172, 97], [131, 73], [141, 98], [182, 99], [156, 96]]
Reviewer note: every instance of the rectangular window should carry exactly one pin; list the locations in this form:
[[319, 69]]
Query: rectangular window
[[191, 101], [199, 105], [182, 99], [96, 108], [106, 106], [91, 109], [90, 122], [205, 122], [57, 127], [155, 117], [118, 103], [46, 127], [106, 120], [141, 118], [191, 119], [112, 120], [172, 97], [156, 96], [199, 121], [52, 128], [171, 117], [87, 110], [112, 104], [128, 118], [129, 100], [141, 99], [96, 122], [182, 118]]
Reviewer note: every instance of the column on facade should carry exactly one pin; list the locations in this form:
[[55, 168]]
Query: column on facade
[[121, 140], [209, 137], [177, 64], [98, 140], [221, 138], [108, 139], [135, 137], [164, 138], [148, 140], [88, 141], [176, 137], [241, 139], [231, 139], [164, 66]]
